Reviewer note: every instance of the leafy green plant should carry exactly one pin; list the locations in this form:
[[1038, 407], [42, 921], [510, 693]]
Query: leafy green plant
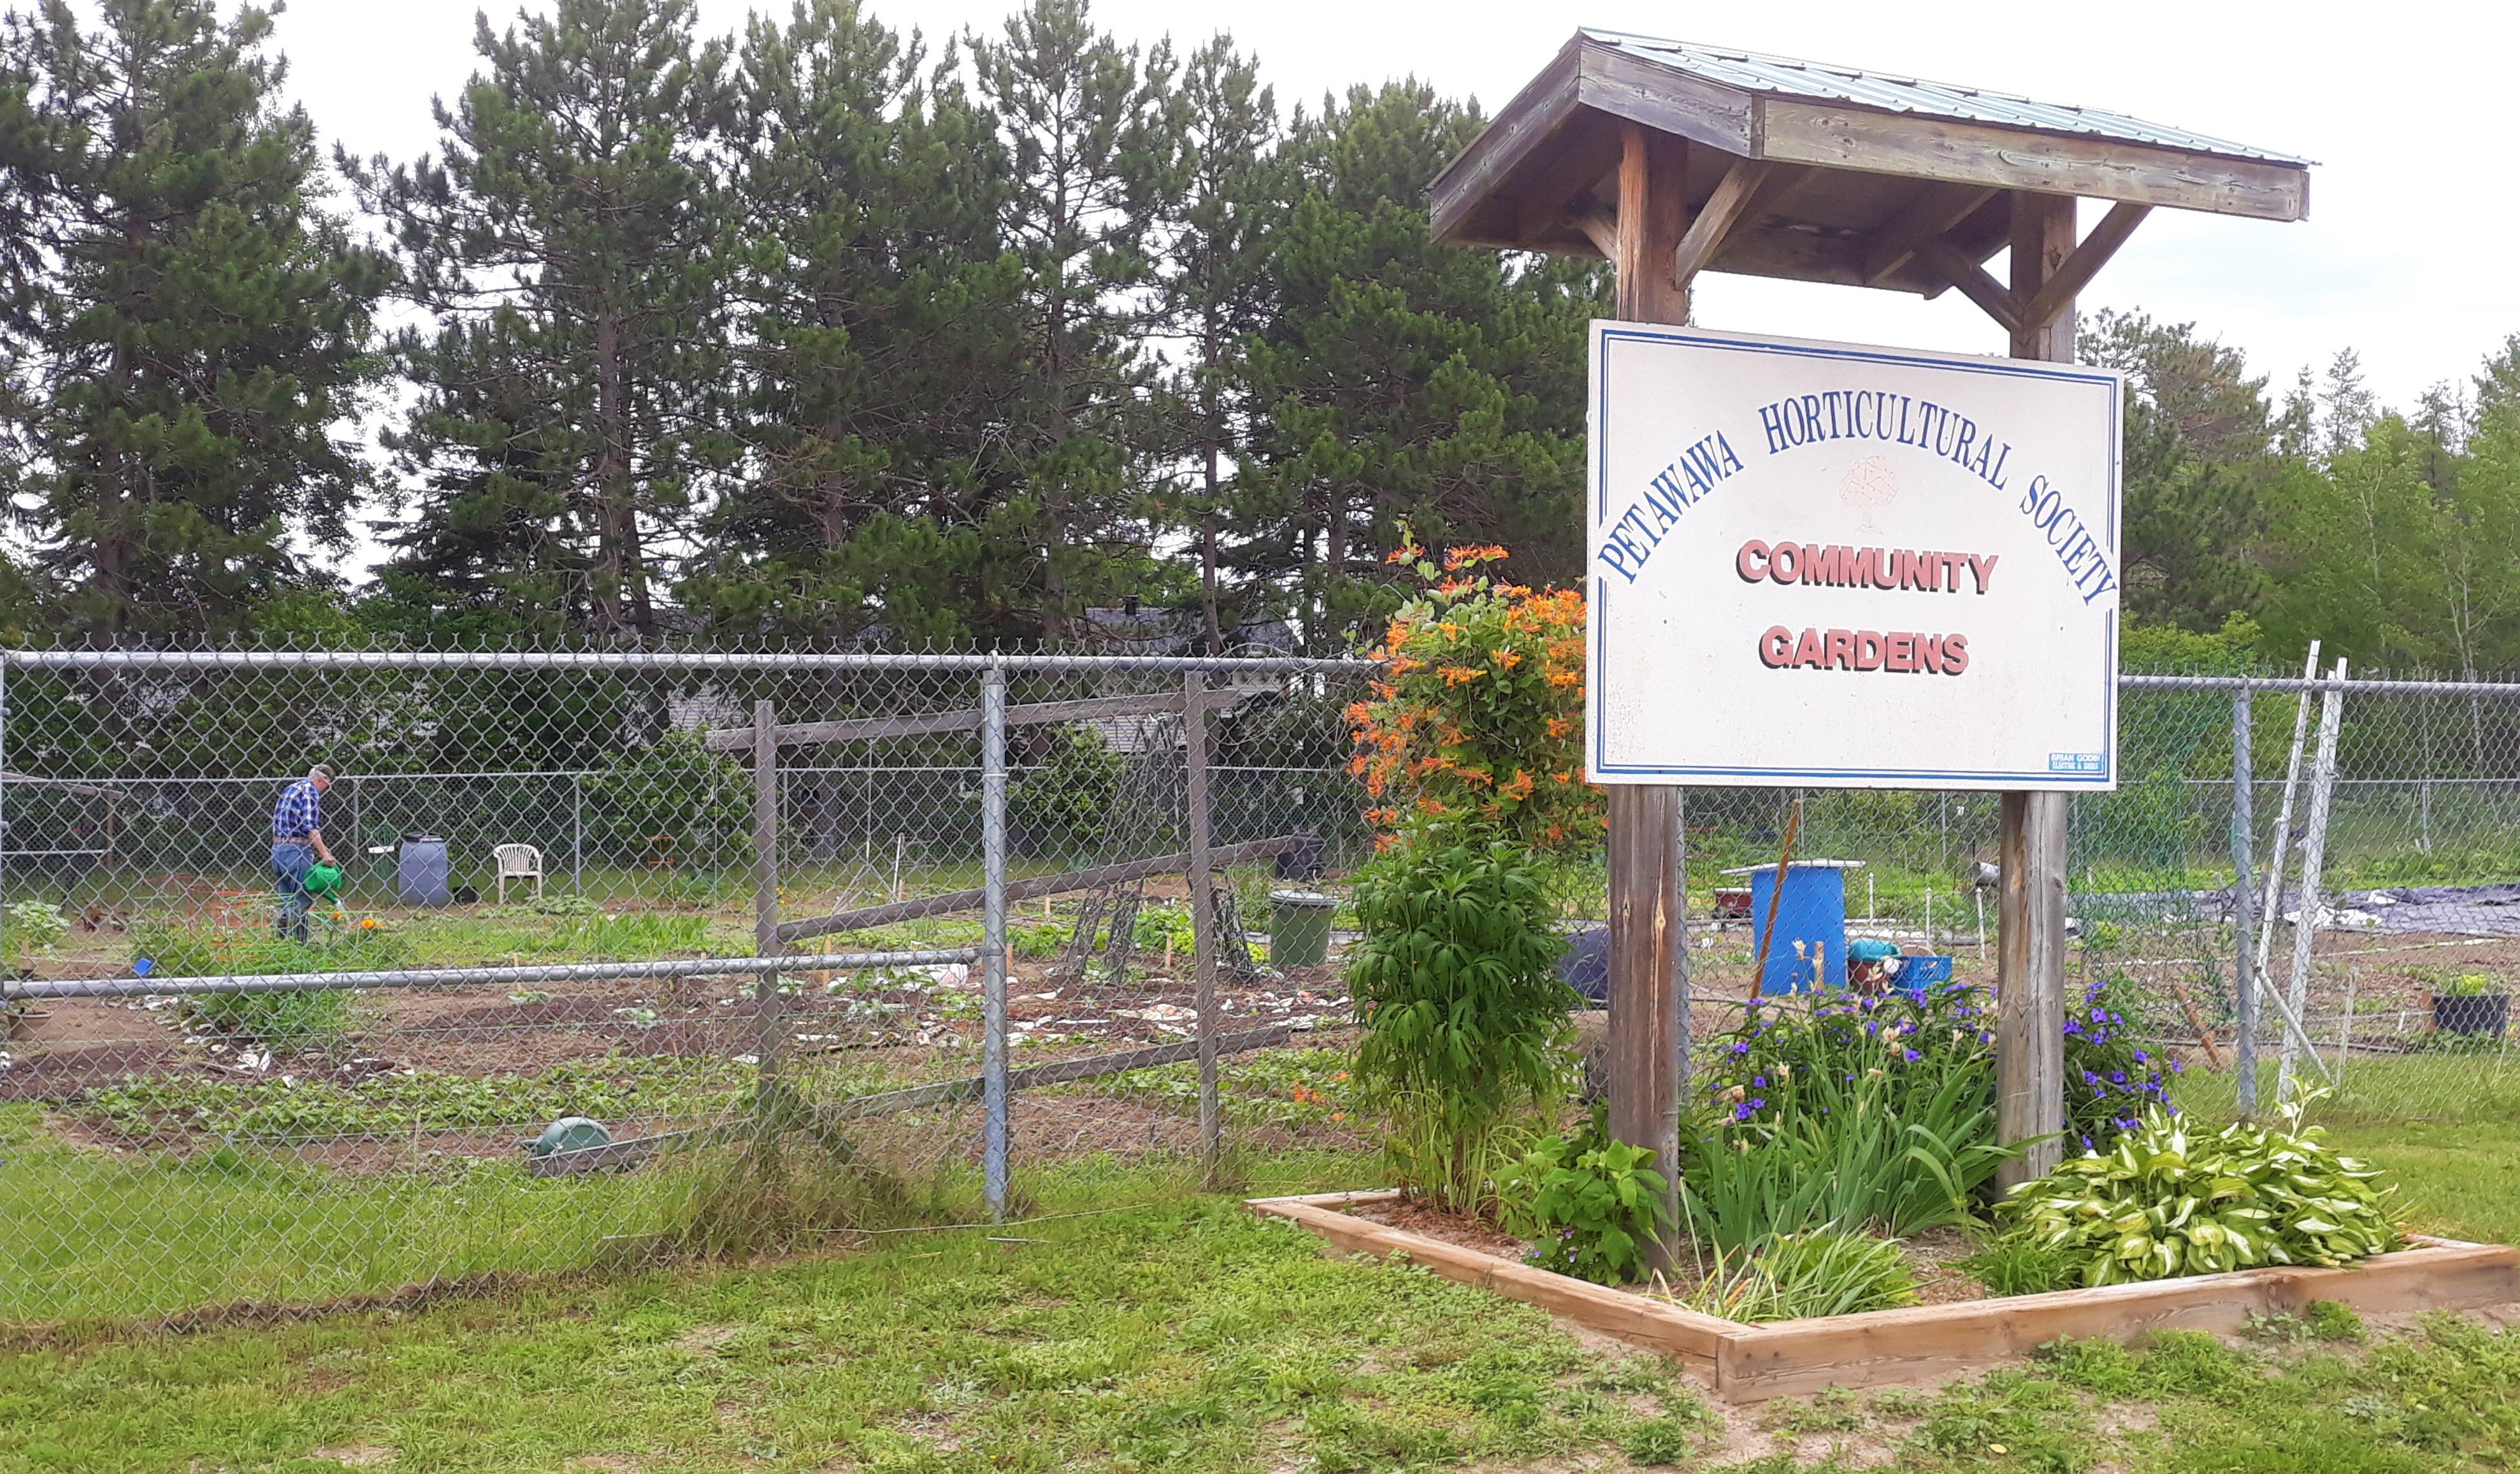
[[1589, 1203], [1846, 1113], [1062, 802], [1815, 1272], [277, 1021], [672, 801], [1456, 986], [2166, 1202], [1656, 1441], [2465, 985], [1038, 943], [1169, 922], [32, 926], [2110, 1077]]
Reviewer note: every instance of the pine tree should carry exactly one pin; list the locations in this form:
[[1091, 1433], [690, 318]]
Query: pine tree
[[879, 349], [2199, 463], [1090, 145], [569, 408], [1215, 290], [186, 325], [1400, 384]]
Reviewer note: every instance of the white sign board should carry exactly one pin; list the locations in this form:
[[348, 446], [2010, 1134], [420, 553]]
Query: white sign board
[[1829, 565]]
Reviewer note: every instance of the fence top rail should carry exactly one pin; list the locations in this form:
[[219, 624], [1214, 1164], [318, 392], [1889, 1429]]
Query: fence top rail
[[2500, 691], [661, 661]]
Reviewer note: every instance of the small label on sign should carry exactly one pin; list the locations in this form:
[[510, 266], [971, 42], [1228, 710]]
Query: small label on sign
[[2076, 762]]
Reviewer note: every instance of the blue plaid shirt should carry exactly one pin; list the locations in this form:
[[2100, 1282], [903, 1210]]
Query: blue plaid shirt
[[300, 813]]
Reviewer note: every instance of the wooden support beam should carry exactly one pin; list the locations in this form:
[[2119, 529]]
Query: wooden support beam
[[859, 918], [1654, 216], [2043, 240], [2031, 838], [1645, 839], [1934, 210], [1972, 281], [1599, 225], [1731, 197], [2068, 280]]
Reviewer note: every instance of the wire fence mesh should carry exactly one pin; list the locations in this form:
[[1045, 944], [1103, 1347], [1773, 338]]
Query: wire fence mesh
[[562, 896]]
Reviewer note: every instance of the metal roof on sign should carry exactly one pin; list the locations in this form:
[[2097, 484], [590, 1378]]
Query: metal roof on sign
[[1752, 72]]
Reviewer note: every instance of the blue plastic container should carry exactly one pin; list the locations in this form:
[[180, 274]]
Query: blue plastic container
[[419, 873], [1812, 912], [1917, 974]]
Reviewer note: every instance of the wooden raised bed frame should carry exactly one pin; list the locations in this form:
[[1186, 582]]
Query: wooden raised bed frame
[[1794, 1358]]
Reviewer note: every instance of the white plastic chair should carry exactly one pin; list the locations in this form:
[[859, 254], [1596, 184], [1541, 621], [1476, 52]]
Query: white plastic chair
[[518, 861]]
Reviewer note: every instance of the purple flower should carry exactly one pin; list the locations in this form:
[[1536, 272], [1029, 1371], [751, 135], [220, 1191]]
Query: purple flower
[[2117, 1077], [2100, 1015], [1912, 1056], [1760, 1080], [1740, 1048], [1742, 1113], [2141, 1056]]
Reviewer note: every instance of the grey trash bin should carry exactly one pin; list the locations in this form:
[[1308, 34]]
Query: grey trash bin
[[1299, 930], [419, 875]]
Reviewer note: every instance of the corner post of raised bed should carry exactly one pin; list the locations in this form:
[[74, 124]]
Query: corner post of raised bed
[[2030, 955], [1202, 913], [1647, 929], [993, 937], [767, 1028]]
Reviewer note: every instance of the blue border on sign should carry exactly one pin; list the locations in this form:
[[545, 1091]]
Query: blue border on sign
[[2036, 778]]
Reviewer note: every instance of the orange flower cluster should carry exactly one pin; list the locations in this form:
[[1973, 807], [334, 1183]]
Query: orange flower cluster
[[1479, 713]]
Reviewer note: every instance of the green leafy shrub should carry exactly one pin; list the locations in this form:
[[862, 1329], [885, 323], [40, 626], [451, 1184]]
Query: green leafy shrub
[[1038, 943], [1062, 802], [672, 801], [1157, 926], [1590, 1204], [2164, 1203], [1463, 1015], [1815, 1272]]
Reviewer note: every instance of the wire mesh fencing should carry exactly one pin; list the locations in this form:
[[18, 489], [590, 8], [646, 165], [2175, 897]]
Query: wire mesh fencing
[[639, 954], [582, 957]]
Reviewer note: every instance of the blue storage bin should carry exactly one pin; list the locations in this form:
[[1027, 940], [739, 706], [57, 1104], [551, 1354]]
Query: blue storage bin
[[1811, 911]]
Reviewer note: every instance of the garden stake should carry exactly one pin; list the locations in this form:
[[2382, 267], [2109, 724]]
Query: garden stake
[[1775, 894]]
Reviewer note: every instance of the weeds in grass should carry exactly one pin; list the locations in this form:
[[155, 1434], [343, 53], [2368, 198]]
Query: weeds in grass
[[1656, 1441], [2018, 1266]]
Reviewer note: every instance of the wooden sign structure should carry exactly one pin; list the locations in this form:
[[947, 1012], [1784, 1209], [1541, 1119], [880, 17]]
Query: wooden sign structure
[[1668, 160]]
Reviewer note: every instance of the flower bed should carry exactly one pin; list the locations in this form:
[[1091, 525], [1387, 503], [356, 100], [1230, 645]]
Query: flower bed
[[1921, 1343]]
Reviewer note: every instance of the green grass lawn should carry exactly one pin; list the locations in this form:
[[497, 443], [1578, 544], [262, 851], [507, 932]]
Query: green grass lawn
[[1182, 1335], [1176, 1333]]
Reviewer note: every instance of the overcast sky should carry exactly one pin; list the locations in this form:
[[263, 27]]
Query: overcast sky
[[2406, 256]]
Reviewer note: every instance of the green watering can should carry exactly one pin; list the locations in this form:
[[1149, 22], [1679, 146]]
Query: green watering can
[[322, 880]]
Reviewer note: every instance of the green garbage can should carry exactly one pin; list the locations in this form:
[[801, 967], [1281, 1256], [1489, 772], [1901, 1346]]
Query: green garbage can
[[1299, 931]]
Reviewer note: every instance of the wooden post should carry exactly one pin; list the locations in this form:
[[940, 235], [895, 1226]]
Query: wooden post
[[2030, 914], [1202, 913], [766, 1025], [1646, 937]]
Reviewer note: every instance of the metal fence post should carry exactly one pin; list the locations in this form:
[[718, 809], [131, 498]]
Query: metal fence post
[[993, 934], [2244, 983], [767, 1029], [1202, 913], [577, 832]]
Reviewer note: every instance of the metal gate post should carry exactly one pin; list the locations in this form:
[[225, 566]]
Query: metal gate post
[[2244, 981], [993, 934], [767, 1027], [1202, 913]]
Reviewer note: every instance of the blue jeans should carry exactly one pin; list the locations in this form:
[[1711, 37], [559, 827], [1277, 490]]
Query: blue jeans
[[290, 864]]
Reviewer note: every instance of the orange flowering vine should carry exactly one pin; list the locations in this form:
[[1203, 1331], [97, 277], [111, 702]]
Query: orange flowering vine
[[1479, 713]]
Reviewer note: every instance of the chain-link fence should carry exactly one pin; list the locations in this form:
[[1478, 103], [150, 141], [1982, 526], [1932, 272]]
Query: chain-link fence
[[632, 954], [602, 955]]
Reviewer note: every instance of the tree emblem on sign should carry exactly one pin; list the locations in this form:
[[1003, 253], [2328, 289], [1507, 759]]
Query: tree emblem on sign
[[1869, 483]]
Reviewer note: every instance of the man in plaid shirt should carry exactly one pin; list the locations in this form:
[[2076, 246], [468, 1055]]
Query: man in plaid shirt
[[297, 843]]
